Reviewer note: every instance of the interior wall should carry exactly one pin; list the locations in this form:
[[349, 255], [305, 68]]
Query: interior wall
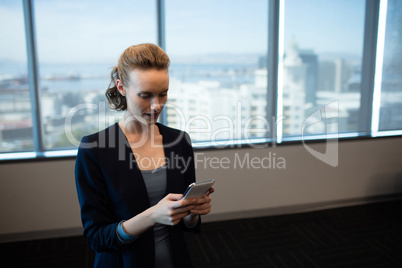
[[40, 196]]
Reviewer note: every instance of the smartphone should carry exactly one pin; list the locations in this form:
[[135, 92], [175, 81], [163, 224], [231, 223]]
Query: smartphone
[[198, 189]]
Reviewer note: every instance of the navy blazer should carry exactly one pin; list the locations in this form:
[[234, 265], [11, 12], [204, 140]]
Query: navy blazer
[[110, 188]]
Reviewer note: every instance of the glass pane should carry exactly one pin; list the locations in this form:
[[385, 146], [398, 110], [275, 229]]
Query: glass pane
[[78, 44], [218, 76], [15, 105], [322, 66], [391, 85]]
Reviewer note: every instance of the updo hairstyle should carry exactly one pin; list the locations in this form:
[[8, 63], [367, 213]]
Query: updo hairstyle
[[142, 57]]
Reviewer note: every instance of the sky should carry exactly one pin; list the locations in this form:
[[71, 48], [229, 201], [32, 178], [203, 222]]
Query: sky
[[74, 31], [326, 25]]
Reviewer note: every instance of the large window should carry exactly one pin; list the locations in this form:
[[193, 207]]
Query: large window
[[15, 101], [221, 91], [77, 46], [219, 75], [322, 65]]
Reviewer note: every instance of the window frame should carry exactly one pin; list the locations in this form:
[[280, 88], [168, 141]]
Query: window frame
[[374, 13]]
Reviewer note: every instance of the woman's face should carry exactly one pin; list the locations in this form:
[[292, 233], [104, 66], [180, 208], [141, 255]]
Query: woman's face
[[146, 94]]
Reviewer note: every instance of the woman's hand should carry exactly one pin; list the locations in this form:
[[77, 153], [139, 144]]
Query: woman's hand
[[202, 206], [171, 209]]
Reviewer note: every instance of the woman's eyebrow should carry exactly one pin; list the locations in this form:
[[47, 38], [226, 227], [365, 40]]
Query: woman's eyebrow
[[149, 92]]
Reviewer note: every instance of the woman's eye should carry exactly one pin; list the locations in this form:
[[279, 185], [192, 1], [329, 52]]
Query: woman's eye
[[144, 96]]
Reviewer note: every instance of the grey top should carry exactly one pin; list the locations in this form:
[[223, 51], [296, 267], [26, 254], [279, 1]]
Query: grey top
[[155, 181]]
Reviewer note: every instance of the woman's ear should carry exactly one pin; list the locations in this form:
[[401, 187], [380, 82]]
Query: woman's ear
[[120, 87]]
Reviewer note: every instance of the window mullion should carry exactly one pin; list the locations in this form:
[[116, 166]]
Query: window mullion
[[368, 66], [33, 75], [160, 16], [382, 18], [273, 63]]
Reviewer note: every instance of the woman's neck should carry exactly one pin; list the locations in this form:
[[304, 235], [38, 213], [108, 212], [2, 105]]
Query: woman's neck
[[134, 128]]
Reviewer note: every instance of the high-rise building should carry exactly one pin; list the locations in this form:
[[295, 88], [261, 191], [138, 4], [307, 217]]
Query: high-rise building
[[294, 91], [310, 59]]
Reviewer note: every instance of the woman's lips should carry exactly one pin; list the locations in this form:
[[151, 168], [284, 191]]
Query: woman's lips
[[152, 116]]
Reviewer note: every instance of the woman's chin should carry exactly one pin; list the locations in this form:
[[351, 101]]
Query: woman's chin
[[136, 119], [151, 119], [143, 119]]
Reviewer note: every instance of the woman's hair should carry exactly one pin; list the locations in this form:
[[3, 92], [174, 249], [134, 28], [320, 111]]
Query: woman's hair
[[141, 57]]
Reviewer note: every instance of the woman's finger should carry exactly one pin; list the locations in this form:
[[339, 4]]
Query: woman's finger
[[203, 200], [210, 191], [174, 197], [179, 216], [180, 210], [201, 212], [202, 207]]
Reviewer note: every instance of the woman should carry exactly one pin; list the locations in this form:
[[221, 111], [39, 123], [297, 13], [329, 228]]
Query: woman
[[130, 177]]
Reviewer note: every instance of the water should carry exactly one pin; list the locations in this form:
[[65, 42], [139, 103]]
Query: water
[[89, 77]]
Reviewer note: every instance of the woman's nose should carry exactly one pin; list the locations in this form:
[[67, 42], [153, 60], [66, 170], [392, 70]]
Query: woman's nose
[[155, 105]]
